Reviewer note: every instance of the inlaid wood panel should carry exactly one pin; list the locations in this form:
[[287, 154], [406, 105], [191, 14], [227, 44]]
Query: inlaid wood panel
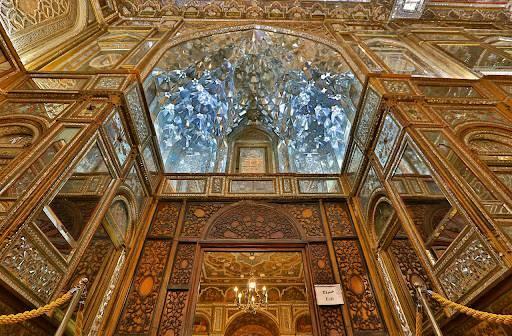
[[339, 220], [358, 291], [196, 217], [307, 215], [173, 314], [331, 321], [166, 219], [183, 264], [321, 267], [139, 308]]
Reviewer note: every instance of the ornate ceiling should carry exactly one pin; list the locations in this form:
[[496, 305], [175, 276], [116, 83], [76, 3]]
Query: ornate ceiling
[[298, 90], [270, 267], [368, 10]]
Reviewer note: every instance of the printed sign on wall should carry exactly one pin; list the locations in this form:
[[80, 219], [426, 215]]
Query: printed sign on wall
[[328, 295]]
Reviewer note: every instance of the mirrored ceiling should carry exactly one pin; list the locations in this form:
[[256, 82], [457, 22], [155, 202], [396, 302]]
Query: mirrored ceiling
[[300, 92]]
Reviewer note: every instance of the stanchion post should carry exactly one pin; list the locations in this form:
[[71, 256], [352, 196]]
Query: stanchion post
[[71, 307], [421, 295]]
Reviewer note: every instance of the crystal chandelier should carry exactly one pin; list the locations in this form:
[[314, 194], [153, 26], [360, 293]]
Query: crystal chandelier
[[251, 299]]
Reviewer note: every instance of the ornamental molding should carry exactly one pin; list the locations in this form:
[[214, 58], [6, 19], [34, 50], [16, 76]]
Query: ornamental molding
[[373, 10]]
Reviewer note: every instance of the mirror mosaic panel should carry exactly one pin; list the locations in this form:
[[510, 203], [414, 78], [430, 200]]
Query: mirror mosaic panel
[[300, 90], [118, 138]]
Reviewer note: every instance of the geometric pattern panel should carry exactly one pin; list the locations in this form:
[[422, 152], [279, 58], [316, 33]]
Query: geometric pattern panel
[[362, 306], [118, 138], [387, 138], [139, 307]]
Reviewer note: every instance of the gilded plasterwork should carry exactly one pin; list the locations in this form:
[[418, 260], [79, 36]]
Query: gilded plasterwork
[[355, 10], [29, 21]]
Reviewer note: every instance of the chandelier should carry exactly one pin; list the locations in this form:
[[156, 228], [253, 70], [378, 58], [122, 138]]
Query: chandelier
[[251, 299]]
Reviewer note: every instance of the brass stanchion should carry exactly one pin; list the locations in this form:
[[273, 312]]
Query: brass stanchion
[[72, 305], [421, 294]]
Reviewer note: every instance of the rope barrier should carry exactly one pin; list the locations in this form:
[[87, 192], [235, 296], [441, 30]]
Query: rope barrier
[[480, 315], [21, 317]]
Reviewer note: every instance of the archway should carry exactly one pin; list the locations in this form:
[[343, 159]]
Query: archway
[[251, 220], [248, 324]]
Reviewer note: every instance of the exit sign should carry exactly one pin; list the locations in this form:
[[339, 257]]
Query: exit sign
[[328, 295]]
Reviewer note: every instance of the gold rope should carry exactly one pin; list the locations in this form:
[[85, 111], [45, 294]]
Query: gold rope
[[480, 315], [21, 317], [419, 321]]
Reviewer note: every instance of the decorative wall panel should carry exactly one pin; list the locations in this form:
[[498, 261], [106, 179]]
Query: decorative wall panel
[[183, 264], [306, 215], [249, 220], [339, 220], [28, 22], [173, 315], [166, 219], [137, 113], [118, 138], [196, 217], [387, 139], [366, 118], [456, 116], [370, 185], [357, 10], [409, 265], [357, 287], [134, 184], [48, 110], [470, 266], [139, 307], [321, 267], [354, 165], [96, 255], [331, 321], [26, 261]]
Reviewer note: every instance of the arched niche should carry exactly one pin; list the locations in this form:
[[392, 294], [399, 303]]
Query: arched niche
[[303, 325], [382, 214], [248, 220], [120, 218], [293, 294], [252, 149], [259, 324], [201, 89], [490, 144], [15, 139], [201, 325]]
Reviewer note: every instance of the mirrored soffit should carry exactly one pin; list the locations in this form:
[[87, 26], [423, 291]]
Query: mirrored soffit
[[301, 92]]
